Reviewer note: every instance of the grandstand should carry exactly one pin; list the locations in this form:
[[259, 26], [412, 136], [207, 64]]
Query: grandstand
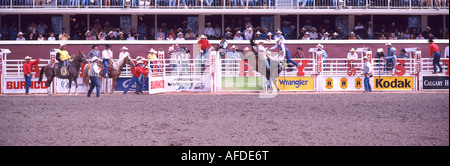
[[385, 15]]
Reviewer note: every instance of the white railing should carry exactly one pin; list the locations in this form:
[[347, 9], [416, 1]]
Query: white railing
[[428, 69], [14, 68]]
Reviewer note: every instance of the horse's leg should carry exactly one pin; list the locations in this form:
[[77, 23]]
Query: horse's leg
[[113, 84], [48, 84], [70, 86], [76, 86]]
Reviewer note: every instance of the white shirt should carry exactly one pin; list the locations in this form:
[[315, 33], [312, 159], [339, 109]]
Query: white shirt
[[248, 35], [130, 38], [209, 31], [306, 38], [20, 39], [359, 27], [107, 54], [238, 38], [41, 39], [446, 52], [354, 56], [218, 31], [123, 54], [51, 39], [94, 70], [180, 38], [313, 35], [325, 38]]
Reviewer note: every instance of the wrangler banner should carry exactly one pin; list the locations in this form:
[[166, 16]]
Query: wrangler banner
[[296, 83], [393, 83]]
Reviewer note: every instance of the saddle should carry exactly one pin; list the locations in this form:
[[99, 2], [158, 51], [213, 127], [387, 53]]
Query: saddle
[[62, 70], [110, 68]]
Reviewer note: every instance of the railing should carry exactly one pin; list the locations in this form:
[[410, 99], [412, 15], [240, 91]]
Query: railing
[[14, 68], [228, 4], [428, 69]]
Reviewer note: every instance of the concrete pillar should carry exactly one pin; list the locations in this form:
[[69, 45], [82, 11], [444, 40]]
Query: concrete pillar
[[134, 22], [423, 22], [277, 22], [66, 23], [351, 23], [201, 24]]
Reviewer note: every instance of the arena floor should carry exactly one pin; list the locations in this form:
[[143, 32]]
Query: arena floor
[[300, 119]]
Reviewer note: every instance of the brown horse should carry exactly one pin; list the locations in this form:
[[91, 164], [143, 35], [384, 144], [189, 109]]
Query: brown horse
[[116, 69], [74, 72]]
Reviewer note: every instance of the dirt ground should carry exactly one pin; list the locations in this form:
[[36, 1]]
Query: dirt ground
[[301, 119]]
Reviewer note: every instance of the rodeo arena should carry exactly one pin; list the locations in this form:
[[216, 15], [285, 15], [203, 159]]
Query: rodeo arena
[[224, 73]]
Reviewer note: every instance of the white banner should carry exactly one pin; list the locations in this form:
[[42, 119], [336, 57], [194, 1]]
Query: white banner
[[156, 85], [62, 86], [17, 85], [188, 83]]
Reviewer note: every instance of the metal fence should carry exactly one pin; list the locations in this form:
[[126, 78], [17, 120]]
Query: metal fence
[[228, 4]]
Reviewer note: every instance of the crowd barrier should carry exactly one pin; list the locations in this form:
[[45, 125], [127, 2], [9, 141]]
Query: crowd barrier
[[182, 71]]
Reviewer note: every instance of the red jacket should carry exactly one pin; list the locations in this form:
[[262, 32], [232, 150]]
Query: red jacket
[[204, 44], [27, 66], [140, 70], [433, 48]]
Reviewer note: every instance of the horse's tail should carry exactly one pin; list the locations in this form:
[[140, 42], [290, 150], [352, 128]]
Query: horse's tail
[[41, 75], [85, 75]]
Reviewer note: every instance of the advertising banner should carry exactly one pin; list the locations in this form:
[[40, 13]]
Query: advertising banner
[[157, 85], [122, 84], [350, 83], [296, 83], [188, 83], [393, 83], [242, 83], [62, 86], [436, 82], [17, 85]]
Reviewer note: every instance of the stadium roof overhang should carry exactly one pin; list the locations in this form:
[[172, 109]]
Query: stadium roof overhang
[[72, 11]]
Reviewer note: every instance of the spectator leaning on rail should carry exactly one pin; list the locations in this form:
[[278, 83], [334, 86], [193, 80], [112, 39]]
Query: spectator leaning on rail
[[93, 74], [20, 37], [368, 71], [94, 52], [27, 72], [403, 54], [352, 55], [324, 53], [138, 71], [436, 55]]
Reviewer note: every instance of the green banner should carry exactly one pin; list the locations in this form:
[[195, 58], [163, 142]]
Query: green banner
[[242, 83]]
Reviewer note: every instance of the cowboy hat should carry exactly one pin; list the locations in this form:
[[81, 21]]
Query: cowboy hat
[[258, 33], [152, 50], [20, 33], [62, 44], [94, 58], [260, 42], [353, 49], [181, 33], [299, 48], [326, 33], [203, 37], [430, 40], [335, 34], [269, 34], [380, 50], [108, 46], [279, 32], [110, 32], [95, 45], [320, 45], [124, 48], [139, 62], [209, 23], [388, 44], [307, 33], [238, 32], [87, 32], [27, 57], [233, 47]]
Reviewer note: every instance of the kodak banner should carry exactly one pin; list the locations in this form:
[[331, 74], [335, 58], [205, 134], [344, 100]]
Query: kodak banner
[[296, 83], [393, 83]]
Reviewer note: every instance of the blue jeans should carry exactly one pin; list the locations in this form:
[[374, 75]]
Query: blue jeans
[[235, 2], [288, 58], [303, 2], [134, 80], [436, 60], [202, 56], [367, 86], [106, 64], [27, 84], [388, 62], [94, 84]]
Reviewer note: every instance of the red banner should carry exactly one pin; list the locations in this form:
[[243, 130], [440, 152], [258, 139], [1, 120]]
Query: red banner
[[319, 61]]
